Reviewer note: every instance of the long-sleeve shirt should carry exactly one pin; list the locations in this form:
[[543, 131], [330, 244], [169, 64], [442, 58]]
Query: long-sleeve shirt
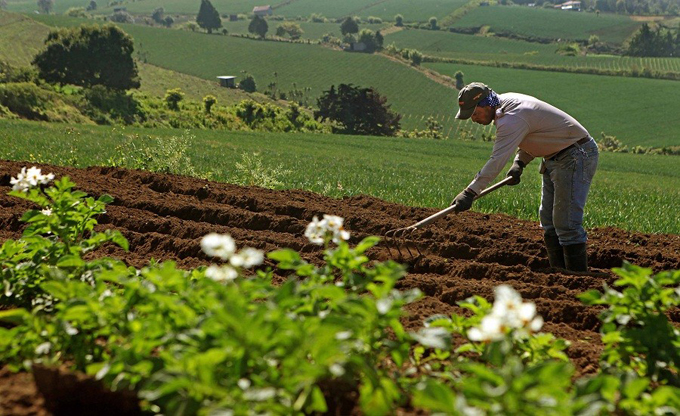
[[537, 128]]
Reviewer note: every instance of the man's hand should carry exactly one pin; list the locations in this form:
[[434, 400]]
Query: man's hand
[[463, 201], [515, 172]]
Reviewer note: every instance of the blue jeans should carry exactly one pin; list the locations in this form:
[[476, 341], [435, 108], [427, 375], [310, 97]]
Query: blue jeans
[[566, 182]]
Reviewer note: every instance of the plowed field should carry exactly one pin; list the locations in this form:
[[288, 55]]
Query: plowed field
[[165, 216]]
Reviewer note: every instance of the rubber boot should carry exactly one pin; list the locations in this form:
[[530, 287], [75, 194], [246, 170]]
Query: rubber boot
[[576, 257], [555, 252]]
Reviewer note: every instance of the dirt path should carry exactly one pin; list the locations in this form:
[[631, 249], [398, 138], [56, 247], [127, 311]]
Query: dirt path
[[433, 75], [164, 217]]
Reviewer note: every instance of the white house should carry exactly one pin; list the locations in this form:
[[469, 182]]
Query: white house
[[574, 5], [262, 11]]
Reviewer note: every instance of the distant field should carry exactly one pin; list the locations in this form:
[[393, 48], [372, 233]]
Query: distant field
[[552, 24], [146, 6], [30, 6], [635, 192], [616, 105], [20, 38], [491, 49], [412, 11], [308, 66]]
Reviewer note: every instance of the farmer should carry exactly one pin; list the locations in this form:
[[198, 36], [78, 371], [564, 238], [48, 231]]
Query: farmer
[[569, 161]]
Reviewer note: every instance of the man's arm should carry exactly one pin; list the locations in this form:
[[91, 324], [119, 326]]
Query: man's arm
[[508, 137]]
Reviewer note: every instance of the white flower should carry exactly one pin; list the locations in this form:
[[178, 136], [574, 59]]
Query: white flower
[[490, 329], [70, 330], [330, 228], [218, 245], [246, 258], [244, 383], [337, 370], [315, 231], [47, 211], [260, 395], [29, 178], [435, 337], [343, 335], [43, 348], [221, 273], [384, 305]]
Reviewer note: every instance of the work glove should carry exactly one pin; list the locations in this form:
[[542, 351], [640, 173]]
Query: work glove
[[515, 172], [463, 201]]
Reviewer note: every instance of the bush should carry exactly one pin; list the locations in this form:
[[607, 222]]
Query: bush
[[173, 98], [122, 17], [26, 100], [79, 12], [248, 84], [107, 106], [208, 102]]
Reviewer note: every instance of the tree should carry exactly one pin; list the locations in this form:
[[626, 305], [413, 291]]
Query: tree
[[357, 111], [168, 21], [367, 37], [379, 39], [247, 84], [122, 17], [349, 26], [157, 15], [173, 97], [208, 18], [399, 20], [92, 6], [292, 29], [258, 26], [46, 6], [433, 23], [208, 102], [89, 55], [459, 80]]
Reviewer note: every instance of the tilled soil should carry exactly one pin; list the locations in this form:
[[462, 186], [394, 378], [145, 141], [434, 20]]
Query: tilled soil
[[164, 217]]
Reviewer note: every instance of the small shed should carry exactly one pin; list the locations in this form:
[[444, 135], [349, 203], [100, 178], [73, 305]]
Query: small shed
[[262, 10], [227, 81]]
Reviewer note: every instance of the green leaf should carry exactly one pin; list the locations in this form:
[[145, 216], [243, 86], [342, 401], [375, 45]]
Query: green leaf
[[633, 389], [105, 199], [435, 396], [591, 297], [70, 261], [366, 243], [14, 316]]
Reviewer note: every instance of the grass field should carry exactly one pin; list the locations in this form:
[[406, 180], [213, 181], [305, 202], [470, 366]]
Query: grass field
[[492, 49], [146, 6], [636, 192], [618, 106], [20, 38], [552, 24]]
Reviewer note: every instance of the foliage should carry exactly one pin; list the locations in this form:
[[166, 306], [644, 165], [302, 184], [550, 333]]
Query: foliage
[[272, 118], [251, 171], [208, 102], [258, 26], [157, 15], [658, 42], [46, 6], [29, 101], [433, 23], [173, 98], [92, 6], [460, 83], [568, 49], [636, 331], [89, 55], [208, 18], [433, 130], [358, 111], [349, 26], [109, 106], [78, 12], [372, 40], [10, 73], [291, 29], [248, 84], [399, 20], [122, 17]]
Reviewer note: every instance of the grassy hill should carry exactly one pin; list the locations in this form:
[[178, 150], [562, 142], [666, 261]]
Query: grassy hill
[[493, 49], [22, 37], [551, 24], [637, 192], [624, 107]]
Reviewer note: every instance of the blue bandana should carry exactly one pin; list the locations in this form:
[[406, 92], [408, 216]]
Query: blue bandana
[[491, 101]]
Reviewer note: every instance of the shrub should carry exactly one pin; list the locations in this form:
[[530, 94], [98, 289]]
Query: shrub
[[27, 100], [112, 105], [77, 12], [208, 102], [122, 17], [248, 84], [173, 98], [399, 20]]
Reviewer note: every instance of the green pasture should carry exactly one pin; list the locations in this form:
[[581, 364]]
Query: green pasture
[[146, 6], [551, 24], [632, 109], [31, 6], [20, 38], [635, 192], [493, 49], [412, 11]]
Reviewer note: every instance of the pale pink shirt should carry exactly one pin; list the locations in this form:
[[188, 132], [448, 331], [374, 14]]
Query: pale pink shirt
[[537, 128]]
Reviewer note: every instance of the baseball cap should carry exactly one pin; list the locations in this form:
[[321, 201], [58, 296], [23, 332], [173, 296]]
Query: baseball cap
[[469, 97]]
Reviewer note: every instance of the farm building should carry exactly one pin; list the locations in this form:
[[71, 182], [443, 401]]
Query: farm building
[[262, 10], [227, 81], [574, 5]]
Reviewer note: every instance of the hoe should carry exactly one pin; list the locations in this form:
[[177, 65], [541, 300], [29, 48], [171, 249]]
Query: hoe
[[398, 236]]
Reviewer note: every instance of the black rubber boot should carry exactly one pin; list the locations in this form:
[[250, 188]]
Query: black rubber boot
[[555, 252], [576, 257]]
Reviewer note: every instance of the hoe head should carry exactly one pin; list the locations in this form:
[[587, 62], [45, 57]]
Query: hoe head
[[401, 240]]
